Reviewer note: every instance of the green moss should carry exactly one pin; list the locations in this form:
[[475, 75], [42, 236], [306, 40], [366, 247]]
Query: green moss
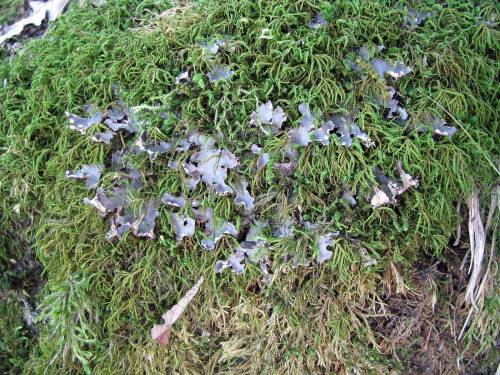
[[15, 340], [10, 10], [128, 285]]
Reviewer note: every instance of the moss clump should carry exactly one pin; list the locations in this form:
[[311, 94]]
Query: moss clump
[[10, 10], [15, 341], [309, 320]]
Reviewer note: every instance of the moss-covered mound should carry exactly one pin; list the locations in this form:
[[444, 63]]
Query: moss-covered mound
[[362, 309]]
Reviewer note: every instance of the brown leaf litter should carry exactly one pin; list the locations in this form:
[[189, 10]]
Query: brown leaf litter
[[162, 332], [40, 11]]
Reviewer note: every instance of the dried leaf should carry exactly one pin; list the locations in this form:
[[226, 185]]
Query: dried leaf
[[119, 116], [161, 332], [243, 197], [322, 135], [144, 225], [394, 106], [349, 198], [284, 229], [184, 76], [215, 47], [368, 261], [82, 124], [364, 53], [307, 116], [119, 225], [41, 10], [264, 266], [396, 70], [265, 33], [132, 179], [302, 135], [288, 168], [390, 189], [324, 242], [234, 261], [317, 22], [152, 149], [347, 128], [226, 228], [219, 73], [173, 201], [354, 66], [300, 262], [104, 137], [90, 173], [205, 216], [439, 127], [210, 165], [254, 249], [183, 226], [105, 204], [414, 18], [263, 157], [268, 119]]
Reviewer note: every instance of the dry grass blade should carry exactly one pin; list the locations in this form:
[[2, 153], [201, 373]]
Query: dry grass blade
[[477, 238]]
